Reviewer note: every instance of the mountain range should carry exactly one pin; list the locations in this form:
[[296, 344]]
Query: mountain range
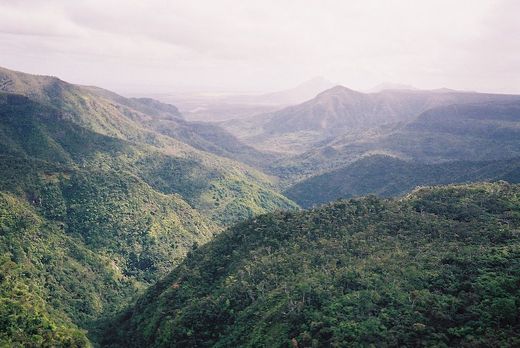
[[91, 190], [340, 110], [125, 224]]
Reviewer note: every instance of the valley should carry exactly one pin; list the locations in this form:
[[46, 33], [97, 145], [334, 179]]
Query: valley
[[124, 223], [89, 189], [436, 268], [259, 174]]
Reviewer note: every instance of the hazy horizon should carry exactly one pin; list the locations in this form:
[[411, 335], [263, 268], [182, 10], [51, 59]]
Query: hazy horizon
[[244, 46]]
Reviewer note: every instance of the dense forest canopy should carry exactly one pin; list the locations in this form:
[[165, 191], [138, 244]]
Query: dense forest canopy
[[439, 267], [124, 224], [89, 192]]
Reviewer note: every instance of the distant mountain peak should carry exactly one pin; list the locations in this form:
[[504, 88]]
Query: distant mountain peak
[[303, 91], [338, 90]]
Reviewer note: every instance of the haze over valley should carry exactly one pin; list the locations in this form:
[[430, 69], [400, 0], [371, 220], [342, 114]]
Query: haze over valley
[[274, 174]]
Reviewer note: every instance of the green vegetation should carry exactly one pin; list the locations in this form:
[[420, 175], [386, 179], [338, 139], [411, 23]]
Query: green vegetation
[[387, 176], [439, 267], [98, 238], [27, 318], [61, 123], [102, 196], [96, 207]]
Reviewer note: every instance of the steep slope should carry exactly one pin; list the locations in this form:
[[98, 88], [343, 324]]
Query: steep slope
[[94, 223], [213, 139], [113, 201], [147, 106], [226, 189], [74, 103], [389, 176], [112, 212], [28, 246], [56, 279], [167, 120], [133, 119], [439, 267]]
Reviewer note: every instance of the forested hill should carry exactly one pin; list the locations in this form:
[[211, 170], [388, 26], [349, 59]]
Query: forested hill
[[387, 176], [50, 120], [95, 206], [439, 267], [103, 196]]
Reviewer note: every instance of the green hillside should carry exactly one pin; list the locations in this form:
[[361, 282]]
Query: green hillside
[[30, 262], [388, 176], [98, 238], [439, 267], [115, 205], [64, 123], [107, 201], [166, 119]]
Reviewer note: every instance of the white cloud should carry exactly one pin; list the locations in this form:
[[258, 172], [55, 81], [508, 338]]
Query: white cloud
[[234, 44]]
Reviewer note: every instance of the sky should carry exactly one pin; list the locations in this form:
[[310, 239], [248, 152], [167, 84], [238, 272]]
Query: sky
[[158, 46]]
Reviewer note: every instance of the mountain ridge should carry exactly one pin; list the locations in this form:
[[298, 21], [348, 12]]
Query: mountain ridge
[[436, 267], [387, 176], [123, 199], [340, 111]]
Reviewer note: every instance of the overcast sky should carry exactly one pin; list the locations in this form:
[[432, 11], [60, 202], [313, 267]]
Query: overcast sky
[[263, 45]]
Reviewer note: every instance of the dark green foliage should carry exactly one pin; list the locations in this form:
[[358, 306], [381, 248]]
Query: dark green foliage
[[31, 309], [387, 176], [116, 205], [100, 238], [101, 196], [29, 129], [440, 267]]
